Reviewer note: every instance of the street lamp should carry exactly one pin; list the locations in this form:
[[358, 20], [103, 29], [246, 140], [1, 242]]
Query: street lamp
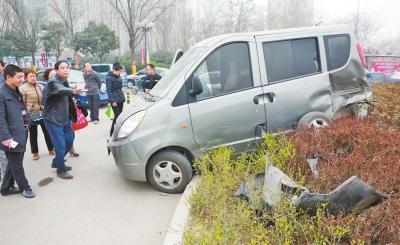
[[146, 27]]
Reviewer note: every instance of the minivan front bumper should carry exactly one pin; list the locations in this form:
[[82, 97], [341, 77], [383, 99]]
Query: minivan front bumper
[[127, 160]]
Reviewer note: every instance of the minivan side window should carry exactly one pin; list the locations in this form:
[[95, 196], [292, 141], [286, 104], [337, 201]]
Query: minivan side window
[[291, 58], [337, 49], [226, 70]]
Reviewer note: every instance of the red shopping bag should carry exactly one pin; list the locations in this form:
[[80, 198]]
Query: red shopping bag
[[81, 121]]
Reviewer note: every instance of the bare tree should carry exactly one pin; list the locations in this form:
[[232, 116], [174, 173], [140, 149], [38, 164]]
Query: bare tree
[[5, 22], [27, 24], [239, 15], [164, 30], [363, 25], [210, 17], [132, 12], [289, 13], [68, 13], [185, 31]]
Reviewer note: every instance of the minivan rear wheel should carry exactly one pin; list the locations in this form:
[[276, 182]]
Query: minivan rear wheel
[[314, 120], [169, 171]]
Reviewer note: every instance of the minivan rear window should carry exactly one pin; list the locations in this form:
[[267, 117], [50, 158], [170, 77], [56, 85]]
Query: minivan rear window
[[291, 58], [337, 49]]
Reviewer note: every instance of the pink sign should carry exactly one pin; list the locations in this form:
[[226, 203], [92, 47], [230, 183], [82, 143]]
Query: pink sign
[[43, 59], [142, 56], [386, 67]]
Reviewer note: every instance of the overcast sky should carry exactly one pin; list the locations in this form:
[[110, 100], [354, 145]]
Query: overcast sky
[[385, 12]]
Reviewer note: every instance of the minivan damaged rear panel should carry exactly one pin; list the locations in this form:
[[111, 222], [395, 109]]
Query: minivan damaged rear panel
[[349, 86]]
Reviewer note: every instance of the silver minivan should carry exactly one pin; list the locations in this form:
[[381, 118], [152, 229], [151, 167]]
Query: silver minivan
[[230, 89]]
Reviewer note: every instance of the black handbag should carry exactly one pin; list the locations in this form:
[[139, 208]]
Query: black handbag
[[35, 118]]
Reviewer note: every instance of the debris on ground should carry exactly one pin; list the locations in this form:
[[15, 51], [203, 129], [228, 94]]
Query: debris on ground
[[353, 195]]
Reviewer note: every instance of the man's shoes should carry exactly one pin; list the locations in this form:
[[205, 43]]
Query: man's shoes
[[28, 193], [96, 121], [74, 154], [12, 191], [52, 153], [67, 168], [64, 175], [35, 156]]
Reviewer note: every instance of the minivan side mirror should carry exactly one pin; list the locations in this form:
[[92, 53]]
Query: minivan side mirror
[[197, 87]]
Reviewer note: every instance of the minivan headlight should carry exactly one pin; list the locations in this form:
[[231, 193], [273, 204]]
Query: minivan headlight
[[130, 124]]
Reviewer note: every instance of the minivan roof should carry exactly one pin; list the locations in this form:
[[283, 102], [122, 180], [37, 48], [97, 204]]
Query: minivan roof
[[301, 30]]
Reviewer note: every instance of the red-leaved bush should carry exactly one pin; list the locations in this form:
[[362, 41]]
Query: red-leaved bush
[[356, 147]]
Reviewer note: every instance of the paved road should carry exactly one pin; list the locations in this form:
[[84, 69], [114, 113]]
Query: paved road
[[97, 207]]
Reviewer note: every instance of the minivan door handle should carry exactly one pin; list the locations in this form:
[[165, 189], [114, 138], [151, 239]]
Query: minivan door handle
[[269, 98]]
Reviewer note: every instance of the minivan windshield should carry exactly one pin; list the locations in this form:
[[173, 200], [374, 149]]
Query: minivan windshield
[[166, 82]]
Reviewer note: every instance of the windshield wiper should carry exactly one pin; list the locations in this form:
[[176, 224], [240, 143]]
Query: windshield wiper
[[148, 93]]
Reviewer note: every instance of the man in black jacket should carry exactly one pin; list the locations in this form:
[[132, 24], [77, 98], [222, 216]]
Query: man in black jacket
[[13, 133], [58, 113], [151, 78]]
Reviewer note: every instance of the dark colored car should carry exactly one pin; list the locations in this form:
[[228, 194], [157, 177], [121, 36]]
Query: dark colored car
[[104, 69], [134, 78], [76, 80]]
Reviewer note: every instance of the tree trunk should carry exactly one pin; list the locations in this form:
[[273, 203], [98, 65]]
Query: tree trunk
[[132, 45], [33, 58]]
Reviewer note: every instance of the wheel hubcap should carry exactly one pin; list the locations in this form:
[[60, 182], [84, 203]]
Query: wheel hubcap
[[318, 123], [167, 174]]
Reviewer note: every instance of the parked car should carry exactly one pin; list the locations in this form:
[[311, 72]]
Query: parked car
[[134, 78], [230, 90], [376, 77], [104, 69], [76, 80], [394, 78]]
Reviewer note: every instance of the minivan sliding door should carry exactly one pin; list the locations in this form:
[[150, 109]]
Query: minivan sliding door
[[294, 83], [225, 112]]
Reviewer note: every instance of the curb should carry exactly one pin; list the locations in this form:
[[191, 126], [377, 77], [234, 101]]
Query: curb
[[177, 226]]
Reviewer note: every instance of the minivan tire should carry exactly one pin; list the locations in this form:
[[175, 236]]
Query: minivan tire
[[313, 120], [166, 165]]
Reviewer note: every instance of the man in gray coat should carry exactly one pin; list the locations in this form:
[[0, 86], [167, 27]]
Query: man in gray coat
[[13, 133], [93, 85]]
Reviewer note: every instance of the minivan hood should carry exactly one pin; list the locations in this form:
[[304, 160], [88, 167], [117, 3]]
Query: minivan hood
[[139, 103]]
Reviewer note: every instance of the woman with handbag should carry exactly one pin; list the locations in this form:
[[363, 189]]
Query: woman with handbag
[[32, 93]]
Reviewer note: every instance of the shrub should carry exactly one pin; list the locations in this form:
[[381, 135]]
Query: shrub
[[362, 148], [368, 148], [386, 107], [217, 216]]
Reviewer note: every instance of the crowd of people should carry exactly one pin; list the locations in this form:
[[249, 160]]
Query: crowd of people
[[25, 104]]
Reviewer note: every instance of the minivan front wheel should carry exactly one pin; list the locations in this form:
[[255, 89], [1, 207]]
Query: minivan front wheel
[[314, 120], [169, 171]]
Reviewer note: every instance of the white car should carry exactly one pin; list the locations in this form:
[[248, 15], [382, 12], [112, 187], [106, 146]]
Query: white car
[[395, 75]]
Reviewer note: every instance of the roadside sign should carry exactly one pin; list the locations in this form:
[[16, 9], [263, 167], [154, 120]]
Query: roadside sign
[[142, 56], [44, 59], [385, 66]]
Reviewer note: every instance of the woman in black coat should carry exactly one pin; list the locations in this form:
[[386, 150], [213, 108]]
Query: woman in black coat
[[114, 90]]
